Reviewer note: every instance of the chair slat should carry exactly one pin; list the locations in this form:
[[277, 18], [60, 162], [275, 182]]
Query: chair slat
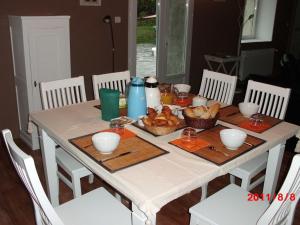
[[218, 94], [64, 96], [270, 106], [59, 97], [77, 94], [273, 112]]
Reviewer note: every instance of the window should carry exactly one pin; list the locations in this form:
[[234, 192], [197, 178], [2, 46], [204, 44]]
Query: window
[[249, 19], [259, 17]]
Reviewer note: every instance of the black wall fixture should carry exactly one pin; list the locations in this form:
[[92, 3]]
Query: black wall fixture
[[108, 20]]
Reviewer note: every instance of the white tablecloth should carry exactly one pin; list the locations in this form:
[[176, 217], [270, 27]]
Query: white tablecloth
[[151, 184]]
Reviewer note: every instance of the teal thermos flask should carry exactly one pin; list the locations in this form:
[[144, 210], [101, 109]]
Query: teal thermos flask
[[136, 101]]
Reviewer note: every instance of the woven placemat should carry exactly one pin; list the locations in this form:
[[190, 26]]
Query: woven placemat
[[215, 151], [131, 151], [232, 115]]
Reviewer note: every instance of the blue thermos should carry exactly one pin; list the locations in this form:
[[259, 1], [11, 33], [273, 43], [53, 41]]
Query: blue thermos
[[136, 100]]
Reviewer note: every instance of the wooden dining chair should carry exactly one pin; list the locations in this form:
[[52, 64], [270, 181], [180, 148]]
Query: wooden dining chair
[[235, 206], [60, 93], [117, 81], [64, 92], [272, 101], [97, 207], [218, 86]]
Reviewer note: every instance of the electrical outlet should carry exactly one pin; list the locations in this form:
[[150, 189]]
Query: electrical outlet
[[90, 2], [117, 19]]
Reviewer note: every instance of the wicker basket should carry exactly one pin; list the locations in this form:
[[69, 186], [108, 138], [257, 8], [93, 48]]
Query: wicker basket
[[200, 123]]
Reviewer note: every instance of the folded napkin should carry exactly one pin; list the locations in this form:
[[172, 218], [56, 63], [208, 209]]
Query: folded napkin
[[190, 146], [259, 129]]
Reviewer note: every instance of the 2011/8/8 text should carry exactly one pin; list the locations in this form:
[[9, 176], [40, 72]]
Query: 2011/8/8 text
[[280, 197]]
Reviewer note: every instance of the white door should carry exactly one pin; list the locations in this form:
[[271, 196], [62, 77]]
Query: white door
[[171, 58], [49, 48]]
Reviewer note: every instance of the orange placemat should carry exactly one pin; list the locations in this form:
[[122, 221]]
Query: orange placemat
[[232, 115], [190, 146], [131, 151], [259, 128], [212, 149]]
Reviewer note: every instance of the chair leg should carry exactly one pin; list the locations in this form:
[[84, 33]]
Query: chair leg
[[91, 178], [256, 182], [76, 186], [37, 214], [204, 191], [118, 196], [246, 183], [232, 179]]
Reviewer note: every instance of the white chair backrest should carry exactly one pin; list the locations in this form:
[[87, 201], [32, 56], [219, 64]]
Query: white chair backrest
[[272, 100], [218, 86], [24, 165], [64, 92], [282, 209], [115, 81]]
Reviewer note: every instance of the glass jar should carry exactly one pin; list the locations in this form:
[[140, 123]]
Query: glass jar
[[182, 99], [166, 95], [189, 135], [122, 101], [117, 126], [256, 120]]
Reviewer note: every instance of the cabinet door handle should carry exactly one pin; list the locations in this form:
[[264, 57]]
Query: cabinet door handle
[[35, 83]]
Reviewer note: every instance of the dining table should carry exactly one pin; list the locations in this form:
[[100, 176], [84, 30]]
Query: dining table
[[151, 184]]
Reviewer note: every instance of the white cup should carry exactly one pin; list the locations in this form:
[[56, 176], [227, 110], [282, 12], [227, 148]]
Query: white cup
[[199, 101]]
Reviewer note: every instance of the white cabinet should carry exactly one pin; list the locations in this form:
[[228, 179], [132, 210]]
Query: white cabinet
[[41, 52]]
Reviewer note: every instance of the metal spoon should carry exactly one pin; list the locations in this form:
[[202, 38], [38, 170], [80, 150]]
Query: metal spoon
[[117, 156], [212, 148]]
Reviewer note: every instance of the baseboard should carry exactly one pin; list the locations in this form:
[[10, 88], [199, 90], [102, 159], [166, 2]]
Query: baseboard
[[27, 138]]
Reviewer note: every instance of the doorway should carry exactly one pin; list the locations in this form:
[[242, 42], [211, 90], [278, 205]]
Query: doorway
[[160, 39]]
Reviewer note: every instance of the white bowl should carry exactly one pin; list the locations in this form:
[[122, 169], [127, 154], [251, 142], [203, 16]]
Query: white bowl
[[106, 142], [248, 108], [183, 87], [232, 138]]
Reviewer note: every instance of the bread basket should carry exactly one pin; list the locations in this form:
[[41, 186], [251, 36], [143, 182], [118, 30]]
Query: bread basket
[[200, 123], [160, 130]]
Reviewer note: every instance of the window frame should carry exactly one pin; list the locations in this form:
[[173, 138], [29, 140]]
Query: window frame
[[264, 22]]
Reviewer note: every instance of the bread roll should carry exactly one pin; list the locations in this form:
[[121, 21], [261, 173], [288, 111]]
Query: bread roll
[[189, 112], [205, 115], [199, 111], [214, 109]]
